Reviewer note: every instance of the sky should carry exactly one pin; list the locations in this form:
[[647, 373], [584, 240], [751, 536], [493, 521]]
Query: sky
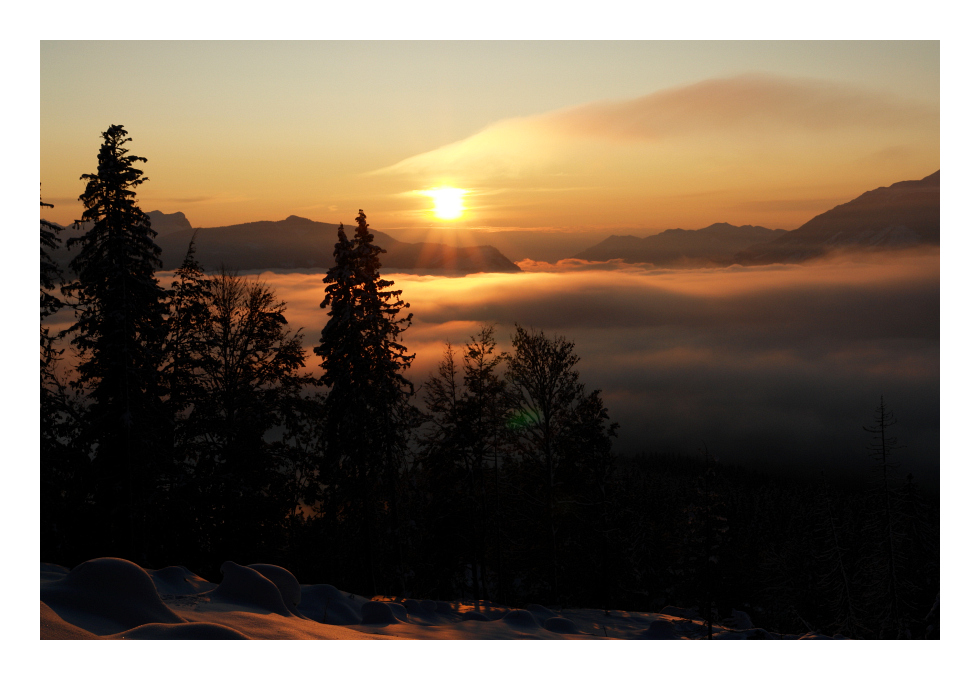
[[201, 127], [606, 136]]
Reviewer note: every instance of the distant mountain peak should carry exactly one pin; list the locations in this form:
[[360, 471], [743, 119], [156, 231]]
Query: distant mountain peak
[[164, 223], [901, 215], [710, 246], [296, 219]]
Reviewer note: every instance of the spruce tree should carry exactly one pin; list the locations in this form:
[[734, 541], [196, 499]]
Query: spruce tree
[[63, 465], [50, 272], [368, 414], [889, 588], [118, 331]]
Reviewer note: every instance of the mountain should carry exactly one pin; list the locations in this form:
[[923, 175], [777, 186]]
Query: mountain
[[298, 242], [712, 246], [164, 223], [898, 216]]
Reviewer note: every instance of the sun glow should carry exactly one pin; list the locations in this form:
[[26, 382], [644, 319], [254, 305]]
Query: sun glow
[[447, 202]]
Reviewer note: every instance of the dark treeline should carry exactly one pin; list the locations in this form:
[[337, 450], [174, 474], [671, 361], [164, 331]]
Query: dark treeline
[[187, 431]]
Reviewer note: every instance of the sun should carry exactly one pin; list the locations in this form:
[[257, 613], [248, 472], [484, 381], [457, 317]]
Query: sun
[[447, 202]]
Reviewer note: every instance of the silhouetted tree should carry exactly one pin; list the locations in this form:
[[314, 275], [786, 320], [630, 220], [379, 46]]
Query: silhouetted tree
[[63, 465], [118, 331], [189, 319], [837, 575], [888, 583], [368, 415], [246, 377], [460, 458], [549, 413]]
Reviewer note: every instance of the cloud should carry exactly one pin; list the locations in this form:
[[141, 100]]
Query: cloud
[[726, 108], [775, 366], [743, 102], [770, 366]]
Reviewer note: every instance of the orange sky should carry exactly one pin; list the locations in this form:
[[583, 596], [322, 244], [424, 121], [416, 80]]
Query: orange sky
[[628, 137]]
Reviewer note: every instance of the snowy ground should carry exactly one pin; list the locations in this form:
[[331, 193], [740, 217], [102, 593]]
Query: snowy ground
[[110, 598]]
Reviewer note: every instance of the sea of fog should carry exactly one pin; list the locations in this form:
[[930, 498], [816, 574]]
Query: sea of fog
[[770, 366]]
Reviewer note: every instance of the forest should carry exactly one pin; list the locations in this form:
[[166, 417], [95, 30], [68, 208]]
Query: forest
[[187, 426]]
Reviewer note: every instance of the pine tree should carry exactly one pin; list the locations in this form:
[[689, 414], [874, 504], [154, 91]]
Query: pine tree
[[837, 575], [368, 415], [63, 465], [888, 587], [483, 416], [118, 331], [189, 301], [50, 272]]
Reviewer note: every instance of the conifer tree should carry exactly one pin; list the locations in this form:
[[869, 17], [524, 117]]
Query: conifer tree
[[63, 465], [368, 414], [189, 317], [50, 272], [889, 585], [118, 331]]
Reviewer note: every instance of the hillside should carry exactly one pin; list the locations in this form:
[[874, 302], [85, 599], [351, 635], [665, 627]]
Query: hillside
[[711, 246], [902, 215], [298, 242]]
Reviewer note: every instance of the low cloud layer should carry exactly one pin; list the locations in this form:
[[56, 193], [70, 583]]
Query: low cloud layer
[[778, 365], [773, 366]]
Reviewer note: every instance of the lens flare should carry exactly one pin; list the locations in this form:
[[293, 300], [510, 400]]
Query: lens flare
[[518, 420]]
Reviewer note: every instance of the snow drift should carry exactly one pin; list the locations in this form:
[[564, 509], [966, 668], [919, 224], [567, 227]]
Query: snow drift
[[114, 599]]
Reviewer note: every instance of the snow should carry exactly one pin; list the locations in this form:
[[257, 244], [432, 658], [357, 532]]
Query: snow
[[111, 598]]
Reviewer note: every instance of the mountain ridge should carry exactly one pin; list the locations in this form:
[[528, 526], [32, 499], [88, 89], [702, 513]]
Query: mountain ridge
[[901, 215], [299, 242], [711, 246]]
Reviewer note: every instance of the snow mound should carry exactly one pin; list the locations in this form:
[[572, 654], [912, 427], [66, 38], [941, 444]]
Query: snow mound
[[178, 581], [740, 620], [373, 612], [107, 595], [53, 627], [521, 618], [680, 613], [661, 629], [52, 572], [414, 607], [558, 624], [541, 613], [444, 608], [180, 631], [399, 611], [326, 604], [248, 588], [475, 616], [285, 581]]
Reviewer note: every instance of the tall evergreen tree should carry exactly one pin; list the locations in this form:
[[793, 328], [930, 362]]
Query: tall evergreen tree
[[368, 414], [118, 331], [50, 272], [889, 587], [63, 465]]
